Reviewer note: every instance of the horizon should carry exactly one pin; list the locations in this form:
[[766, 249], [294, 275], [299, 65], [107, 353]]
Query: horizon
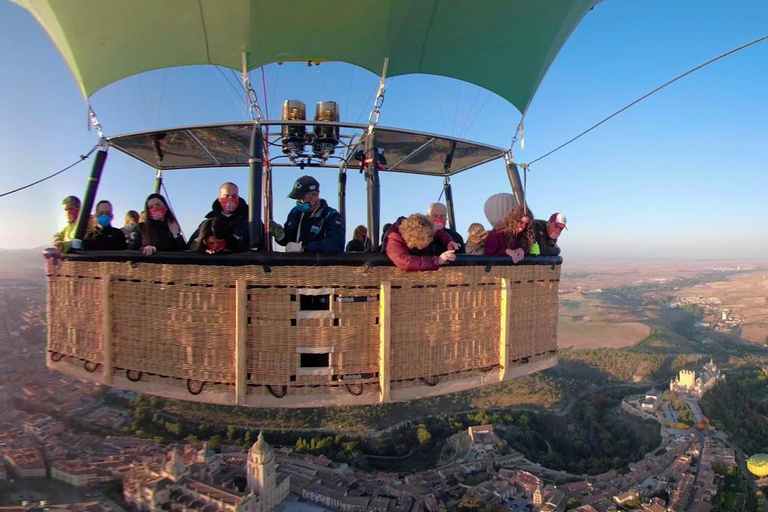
[[639, 186]]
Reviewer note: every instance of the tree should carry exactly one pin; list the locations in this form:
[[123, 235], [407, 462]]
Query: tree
[[470, 502], [214, 443], [422, 434]]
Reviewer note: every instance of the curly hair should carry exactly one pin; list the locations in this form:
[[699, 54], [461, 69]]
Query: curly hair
[[508, 226], [417, 231]]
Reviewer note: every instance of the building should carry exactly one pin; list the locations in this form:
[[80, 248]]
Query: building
[[651, 401], [687, 382], [172, 482]]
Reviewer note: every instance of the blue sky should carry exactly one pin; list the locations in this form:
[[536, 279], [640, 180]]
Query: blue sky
[[682, 174]]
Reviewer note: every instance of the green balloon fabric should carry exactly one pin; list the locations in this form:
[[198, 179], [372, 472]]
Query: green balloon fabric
[[505, 46]]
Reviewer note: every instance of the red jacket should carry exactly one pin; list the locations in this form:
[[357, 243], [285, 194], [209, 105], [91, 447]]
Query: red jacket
[[497, 243], [397, 250]]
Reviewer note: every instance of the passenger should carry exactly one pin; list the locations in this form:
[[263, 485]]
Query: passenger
[[360, 241], [384, 230], [104, 237], [547, 233], [161, 230], [438, 213], [214, 235], [409, 240], [233, 211], [512, 236], [312, 225], [63, 238], [131, 230], [476, 238]]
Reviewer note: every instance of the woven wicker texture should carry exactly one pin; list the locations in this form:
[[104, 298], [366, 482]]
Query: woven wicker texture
[[309, 329]]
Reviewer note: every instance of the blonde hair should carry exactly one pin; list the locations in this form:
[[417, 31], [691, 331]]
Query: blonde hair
[[417, 231]]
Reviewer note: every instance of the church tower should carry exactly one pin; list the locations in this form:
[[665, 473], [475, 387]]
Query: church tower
[[262, 470], [175, 468], [537, 497]]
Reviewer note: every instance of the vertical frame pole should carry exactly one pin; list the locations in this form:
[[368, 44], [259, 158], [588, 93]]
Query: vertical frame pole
[[241, 335], [514, 179], [267, 185], [255, 170], [158, 180], [373, 189], [448, 190], [385, 317], [107, 327], [506, 310], [90, 195], [343, 195]]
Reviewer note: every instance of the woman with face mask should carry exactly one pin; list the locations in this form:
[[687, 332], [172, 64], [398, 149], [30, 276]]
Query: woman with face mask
[[161, 230], [214, 236]]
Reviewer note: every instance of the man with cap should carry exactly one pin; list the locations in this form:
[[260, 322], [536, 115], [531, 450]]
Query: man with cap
[[547, 233], [312, 225]]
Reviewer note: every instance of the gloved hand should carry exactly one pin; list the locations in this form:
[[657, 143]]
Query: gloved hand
[[276, 230], [294, 247], [446, 257]]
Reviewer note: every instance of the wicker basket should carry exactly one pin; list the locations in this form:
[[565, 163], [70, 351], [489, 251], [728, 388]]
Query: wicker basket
[[288, 335]]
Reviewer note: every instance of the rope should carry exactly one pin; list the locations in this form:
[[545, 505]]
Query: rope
[[82, 157], [657, 89]]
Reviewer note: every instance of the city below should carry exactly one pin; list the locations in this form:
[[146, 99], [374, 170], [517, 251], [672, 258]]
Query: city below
[[72, 445]]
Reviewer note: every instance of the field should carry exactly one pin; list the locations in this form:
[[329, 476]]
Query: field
[[585, 335], [744, 295]]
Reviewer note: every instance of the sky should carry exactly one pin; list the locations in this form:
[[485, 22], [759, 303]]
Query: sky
[[683, 174]]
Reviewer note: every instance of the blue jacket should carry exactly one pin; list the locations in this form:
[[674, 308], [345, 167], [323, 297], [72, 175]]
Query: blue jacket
[[320, 231]]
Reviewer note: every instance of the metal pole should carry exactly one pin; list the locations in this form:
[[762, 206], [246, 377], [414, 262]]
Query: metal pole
[[90, 194], [158, 180], [343, 194], [448, 191], [267, 207], [374, 193], [514, 179], [255, 168]]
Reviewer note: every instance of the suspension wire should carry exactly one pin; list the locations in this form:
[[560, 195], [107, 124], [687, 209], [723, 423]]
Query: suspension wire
[[168, 198], [657, 89], [469, 114], [266, 111], [162, 95], [349, 92], [439, 106], [367, 101], [235, 97], [82, 157], [456, 110], [487, 97]]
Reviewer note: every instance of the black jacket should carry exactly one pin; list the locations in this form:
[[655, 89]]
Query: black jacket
[[436, 248], [547, 246], [320, 231], [105, 239], [164, 240], [237, 222]]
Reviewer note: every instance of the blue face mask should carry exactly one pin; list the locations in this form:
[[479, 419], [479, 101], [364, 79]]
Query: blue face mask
[[302, 207], [104, 220]]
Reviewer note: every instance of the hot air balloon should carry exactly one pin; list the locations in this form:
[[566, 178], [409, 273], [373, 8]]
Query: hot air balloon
[[294, 330], [758, 464]]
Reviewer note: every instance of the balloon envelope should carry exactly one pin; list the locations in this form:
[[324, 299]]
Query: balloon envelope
[[758, 464], [505, 46], [497, 206]]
